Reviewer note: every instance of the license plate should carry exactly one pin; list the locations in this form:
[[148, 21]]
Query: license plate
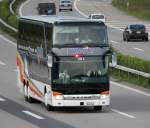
[[90, 103]]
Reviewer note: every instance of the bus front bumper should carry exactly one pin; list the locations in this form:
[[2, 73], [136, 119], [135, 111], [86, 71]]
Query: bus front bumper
[[70, 102]]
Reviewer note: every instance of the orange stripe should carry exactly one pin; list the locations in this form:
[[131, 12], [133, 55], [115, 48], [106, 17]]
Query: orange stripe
[[24, 77], [105, 92]]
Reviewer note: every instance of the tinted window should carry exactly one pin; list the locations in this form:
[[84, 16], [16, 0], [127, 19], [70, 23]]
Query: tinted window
[[80, 35], [49, 36], [86, 70], [137, 27], [22, 35]]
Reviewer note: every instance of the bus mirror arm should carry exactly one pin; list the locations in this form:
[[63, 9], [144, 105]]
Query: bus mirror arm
[[114, 59], [49, 61]]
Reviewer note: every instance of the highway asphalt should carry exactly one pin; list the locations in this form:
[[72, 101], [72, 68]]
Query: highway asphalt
[[130, 107]]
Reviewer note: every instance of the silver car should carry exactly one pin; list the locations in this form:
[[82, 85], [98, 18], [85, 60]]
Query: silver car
[[65, 5]]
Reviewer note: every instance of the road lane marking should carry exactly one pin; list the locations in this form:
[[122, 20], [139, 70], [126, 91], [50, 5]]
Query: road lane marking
[[2, 99], [139, 49], [76, 8], [22, 6], [122, 113], [2, 63], [33, 115], [7, 40], [114, 42], [131, 89]]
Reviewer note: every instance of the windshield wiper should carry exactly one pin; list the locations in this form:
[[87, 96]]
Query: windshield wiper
[[66, 45]]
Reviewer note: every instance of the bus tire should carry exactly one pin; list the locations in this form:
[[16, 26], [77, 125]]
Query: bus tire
[[30, 99], [25, 93], [98, 108], [47, 106]]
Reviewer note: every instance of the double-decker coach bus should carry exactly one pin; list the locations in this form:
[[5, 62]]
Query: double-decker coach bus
[[63, 61]]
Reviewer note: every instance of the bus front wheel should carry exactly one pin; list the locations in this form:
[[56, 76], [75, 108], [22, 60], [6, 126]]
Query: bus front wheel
[[47, 106], [30, 99]]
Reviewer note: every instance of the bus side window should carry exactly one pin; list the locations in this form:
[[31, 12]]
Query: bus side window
[[22, 42], [49, 36], [36, 39]]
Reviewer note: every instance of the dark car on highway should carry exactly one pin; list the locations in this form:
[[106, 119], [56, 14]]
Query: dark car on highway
[[135, 31], [46, 8]]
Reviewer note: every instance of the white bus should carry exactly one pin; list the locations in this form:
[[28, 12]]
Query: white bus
[[63, 61]]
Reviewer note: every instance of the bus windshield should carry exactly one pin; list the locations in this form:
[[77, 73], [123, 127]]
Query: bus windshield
[[88, 70], [80, 35]]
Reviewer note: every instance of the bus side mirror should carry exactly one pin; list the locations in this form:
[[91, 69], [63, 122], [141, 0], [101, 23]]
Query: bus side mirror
[[114, 60], [49, 61]]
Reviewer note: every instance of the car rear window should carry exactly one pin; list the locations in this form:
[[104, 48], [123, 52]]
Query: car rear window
[[137, 27], [65, 2]]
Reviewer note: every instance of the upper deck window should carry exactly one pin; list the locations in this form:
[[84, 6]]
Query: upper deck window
[[80, 35]]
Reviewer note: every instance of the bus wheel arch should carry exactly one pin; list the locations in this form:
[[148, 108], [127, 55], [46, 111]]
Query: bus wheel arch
[[25, 88], [30, 99], [47, 106]]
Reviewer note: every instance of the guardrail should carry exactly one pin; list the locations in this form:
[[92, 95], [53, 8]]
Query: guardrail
[[132, 71], [8, 26]]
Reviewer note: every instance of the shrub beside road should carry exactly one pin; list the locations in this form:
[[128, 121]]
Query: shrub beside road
[[133, 63], [7, 17], [138, 8]]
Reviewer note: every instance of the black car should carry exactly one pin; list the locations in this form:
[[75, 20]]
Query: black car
[[135, 31], [46, 8]]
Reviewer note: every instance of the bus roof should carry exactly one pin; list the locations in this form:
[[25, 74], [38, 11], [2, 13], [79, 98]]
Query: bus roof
[[54, 19]]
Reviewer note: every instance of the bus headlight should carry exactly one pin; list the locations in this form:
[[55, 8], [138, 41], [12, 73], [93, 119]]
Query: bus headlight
[[59, 97], [104, 96]]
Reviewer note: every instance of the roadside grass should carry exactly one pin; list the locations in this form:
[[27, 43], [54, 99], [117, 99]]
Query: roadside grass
[[130, 78], [137, 8], [9, 18], [133, 63]]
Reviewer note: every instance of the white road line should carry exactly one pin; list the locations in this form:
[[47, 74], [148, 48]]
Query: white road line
[[2, 63], [131, 89], [76, 8], [22, 6], [139, 49], [2, 99], [111, 26], [7, 40], [122, 113], [33, 115], [114, 42]]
